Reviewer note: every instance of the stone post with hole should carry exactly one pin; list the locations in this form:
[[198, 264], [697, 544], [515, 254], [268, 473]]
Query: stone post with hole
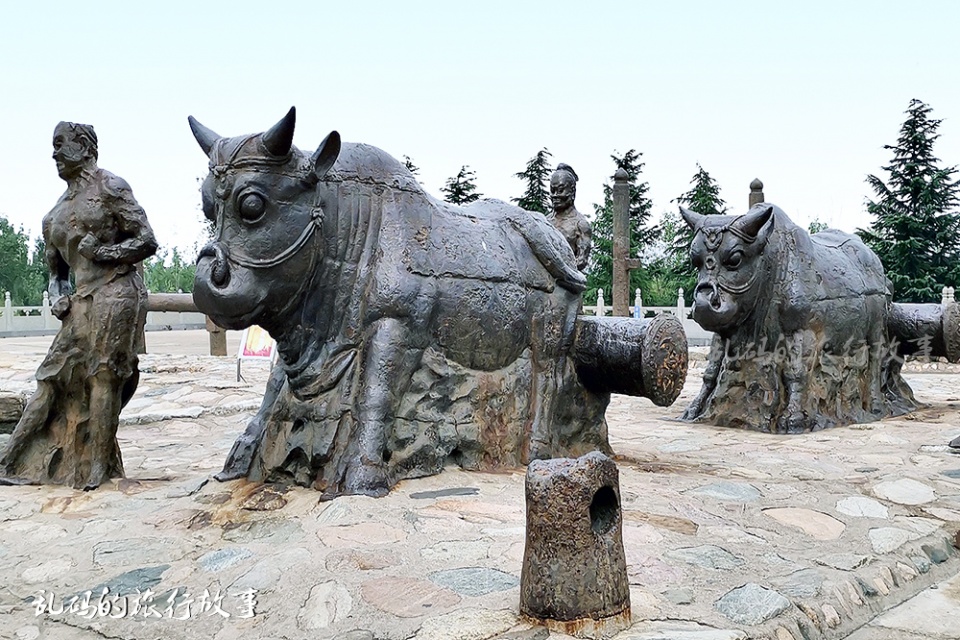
[[574, 577]]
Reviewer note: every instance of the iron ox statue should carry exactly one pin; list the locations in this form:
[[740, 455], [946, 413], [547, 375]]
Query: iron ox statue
[[411, 332], [806, 334]]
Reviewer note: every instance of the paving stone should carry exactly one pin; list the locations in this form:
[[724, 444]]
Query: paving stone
[[936, 554], [29, 632], [408, 597], [843, 561], [906, 571], [47, 571], [707, 556], [533, 633], [814, 523], [887, 539], [921, 563], [726, 490], [805, 583], [216, 561], [830, 616], [649, 570], [271, 530], [948, 515], [474, 581], [188, 488], [266, 573], [135, 551], [751, 604], [952, 473], [905, 491], [861, 507], [445, 493], [329, 604], [451, 552], [364, 533], [466, 624], [679, 596], [130, 581], [676, 630], [361, 559]]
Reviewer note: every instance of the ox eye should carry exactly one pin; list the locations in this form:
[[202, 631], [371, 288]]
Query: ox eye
[[734, 259], [252, 206]]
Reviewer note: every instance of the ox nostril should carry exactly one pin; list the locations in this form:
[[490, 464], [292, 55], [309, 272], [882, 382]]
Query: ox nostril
[[220, 271]]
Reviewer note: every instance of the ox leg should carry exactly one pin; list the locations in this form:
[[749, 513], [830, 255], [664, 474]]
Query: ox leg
[[710, 376], [388, 363], [241, 455], [792, 420]]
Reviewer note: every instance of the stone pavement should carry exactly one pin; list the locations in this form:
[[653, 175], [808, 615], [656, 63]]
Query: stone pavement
[[728, 534]]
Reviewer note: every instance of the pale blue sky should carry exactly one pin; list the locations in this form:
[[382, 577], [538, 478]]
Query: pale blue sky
[[802, 95]]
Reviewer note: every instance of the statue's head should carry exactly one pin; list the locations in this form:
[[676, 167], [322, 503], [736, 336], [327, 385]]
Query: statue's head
[[262, 196], [74, 148], [728, 253], [563, 187]]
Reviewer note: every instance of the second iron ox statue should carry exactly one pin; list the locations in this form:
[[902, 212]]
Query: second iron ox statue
[[411, 332], [806, 334]]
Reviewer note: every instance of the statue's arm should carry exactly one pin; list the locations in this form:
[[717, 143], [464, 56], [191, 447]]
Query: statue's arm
[[138, 241], [584, 242], [59, 282]]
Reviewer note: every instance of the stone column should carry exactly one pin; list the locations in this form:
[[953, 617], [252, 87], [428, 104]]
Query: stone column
[[574, 577], [756, 192], [622, 263]]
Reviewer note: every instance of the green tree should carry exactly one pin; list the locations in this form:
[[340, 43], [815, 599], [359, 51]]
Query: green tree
[[816, 227], [668, 269], [462, 188], [536, 196], [161, 277], [600, 269], [916, 230], [17, 272]]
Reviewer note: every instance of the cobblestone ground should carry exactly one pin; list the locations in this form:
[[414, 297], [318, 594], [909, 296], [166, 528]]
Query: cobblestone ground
[[728, 534]]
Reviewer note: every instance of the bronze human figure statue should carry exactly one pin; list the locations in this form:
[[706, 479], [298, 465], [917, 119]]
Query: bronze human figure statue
[[68, 431], [565, 217]]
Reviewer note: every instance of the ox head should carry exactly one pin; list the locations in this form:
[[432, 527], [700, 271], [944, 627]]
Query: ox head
[[261, 195], [728, 254]]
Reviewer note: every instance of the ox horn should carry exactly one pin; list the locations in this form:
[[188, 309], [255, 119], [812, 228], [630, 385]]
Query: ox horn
[[279, 138], [752, 222], [205, 137], [693, 219]]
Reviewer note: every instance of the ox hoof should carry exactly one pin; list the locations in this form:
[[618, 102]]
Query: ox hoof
[[228, 475], [98, 475], [367, 480], [792, 423]]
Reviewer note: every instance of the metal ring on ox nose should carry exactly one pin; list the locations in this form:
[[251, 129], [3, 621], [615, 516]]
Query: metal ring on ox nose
[[265, 263]]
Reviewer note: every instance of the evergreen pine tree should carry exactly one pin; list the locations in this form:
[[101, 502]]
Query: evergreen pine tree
[[600, 270], [536, 196], [916, 230], [462, 188]]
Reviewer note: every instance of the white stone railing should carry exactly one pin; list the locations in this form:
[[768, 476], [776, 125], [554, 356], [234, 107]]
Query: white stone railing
[[17, 321]]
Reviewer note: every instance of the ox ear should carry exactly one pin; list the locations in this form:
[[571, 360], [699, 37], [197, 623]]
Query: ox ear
[[693, 219], [279, 138], [752, 223], [205, 137], [326, 154]]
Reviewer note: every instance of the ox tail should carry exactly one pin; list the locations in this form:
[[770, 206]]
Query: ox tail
[[931, 330], [634, 357]]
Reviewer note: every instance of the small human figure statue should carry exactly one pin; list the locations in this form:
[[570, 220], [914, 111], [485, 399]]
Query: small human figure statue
[[68, 431], [565, 217]]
